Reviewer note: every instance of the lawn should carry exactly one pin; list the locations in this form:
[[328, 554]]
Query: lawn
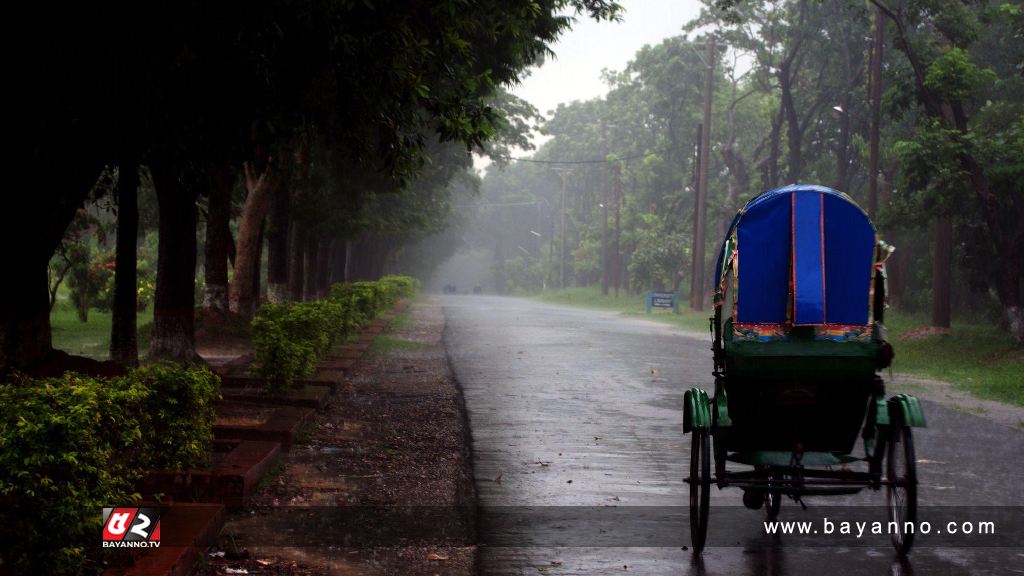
[[92, 338], [976, 357]]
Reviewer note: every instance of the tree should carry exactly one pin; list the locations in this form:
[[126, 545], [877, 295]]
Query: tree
[[261, 190], [124, 348], [949, 87], [56, 123]]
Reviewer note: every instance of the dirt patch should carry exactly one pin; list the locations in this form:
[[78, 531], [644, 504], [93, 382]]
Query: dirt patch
[[242, 415], [383, 484], [221, 335]]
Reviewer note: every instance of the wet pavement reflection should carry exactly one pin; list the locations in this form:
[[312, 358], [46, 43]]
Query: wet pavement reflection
[[578, 408]]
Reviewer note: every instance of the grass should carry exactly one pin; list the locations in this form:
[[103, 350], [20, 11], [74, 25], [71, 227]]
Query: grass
[[400, 321], [977, 357], [270, 477], [384, 344], [628, 305], [92, 338]]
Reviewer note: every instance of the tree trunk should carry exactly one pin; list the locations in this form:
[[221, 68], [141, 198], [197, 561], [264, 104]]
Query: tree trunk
[[25, 335], [277, 248], [794, 136], [258, 267], [874, 136], [296, 270], [31, 227], [339, 259], [380, 260], [241, 298], [843, 149], [770, 165], [218, 239], [83, 307], [323, 269], [349, 247], [311, 257], [942, 272], [124, 347], [174, 305]]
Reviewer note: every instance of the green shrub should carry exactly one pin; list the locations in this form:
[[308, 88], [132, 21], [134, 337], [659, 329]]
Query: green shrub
[[367, 298], [70, 446], [178, 415], [289, 339], [400, 287], [281, 354]]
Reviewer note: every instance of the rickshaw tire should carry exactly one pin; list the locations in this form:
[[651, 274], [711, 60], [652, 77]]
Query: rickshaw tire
[[901, 444], [700, 492], [772, 504]]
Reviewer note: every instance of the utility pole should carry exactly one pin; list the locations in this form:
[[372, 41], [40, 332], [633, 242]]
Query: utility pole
[[697, 296], [694, 187], [561, 260], [876, 115], [617, 260], [604, 205]]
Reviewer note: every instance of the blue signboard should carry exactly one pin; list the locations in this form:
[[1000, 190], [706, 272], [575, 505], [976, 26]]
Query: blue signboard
[[662, 300]]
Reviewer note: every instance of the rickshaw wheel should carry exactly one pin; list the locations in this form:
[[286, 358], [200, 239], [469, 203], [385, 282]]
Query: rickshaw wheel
[[772, 504], [901, 491], [700, 488]]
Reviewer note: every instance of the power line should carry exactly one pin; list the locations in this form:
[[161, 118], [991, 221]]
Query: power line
[[497, 205], [576, 162]]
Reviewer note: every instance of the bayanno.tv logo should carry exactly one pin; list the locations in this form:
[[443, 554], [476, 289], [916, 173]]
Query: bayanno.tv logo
[[131, 527]]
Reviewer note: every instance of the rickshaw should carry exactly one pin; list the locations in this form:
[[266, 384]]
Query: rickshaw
[[798, 341]]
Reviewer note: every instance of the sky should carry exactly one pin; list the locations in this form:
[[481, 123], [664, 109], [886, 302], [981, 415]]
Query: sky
[[581, 53]]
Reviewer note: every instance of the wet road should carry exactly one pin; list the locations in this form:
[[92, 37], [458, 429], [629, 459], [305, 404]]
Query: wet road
[[579, 458]]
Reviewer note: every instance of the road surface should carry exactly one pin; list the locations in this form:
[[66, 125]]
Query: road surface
[[579, 458]]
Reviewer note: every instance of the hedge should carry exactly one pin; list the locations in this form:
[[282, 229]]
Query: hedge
[[289, 339], [70, 446]]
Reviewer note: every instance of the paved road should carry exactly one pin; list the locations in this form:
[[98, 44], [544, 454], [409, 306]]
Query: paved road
[[579, 454]]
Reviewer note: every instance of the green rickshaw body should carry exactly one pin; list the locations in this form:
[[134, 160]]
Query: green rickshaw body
[[798, 341], [800, 277]]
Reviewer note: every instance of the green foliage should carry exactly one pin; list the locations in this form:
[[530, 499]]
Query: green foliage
[[87, 276], [364, 298], [70, 446], [955, 77], [62, 441], [660, 254], [289, 339], [178, 414], [145, 274], [524, 274], [399, 287]]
